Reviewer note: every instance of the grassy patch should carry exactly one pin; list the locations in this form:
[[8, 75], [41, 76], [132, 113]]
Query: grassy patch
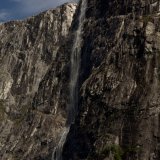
[[115, 150]]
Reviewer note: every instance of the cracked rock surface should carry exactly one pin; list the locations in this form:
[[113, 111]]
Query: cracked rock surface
[[27, 50], [119, 80], [119, 83]]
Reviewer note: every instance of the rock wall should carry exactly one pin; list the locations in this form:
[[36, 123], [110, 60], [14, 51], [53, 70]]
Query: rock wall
[[119, 84], [119, 111], [28, 49]]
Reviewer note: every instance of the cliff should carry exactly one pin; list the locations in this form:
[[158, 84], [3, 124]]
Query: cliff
[[27, 50], [118, 115], [119, 107]]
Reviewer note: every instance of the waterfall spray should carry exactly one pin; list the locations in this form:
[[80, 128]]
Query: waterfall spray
[[75, 67]]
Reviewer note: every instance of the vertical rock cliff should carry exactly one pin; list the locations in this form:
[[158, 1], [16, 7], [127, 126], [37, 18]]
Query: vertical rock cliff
[[118, 83], [119, 107], [27, 50]]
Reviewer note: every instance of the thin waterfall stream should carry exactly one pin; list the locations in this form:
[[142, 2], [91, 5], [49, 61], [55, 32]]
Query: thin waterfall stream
[[75, 67]]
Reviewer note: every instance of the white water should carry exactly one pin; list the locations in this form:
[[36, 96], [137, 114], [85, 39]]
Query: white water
[[57, 154], [75, 66]]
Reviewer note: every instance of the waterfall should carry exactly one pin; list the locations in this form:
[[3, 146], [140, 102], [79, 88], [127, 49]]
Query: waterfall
[[75, 67]]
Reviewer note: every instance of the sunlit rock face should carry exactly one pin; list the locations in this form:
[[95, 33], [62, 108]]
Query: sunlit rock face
[[27, 50], [119, 83]]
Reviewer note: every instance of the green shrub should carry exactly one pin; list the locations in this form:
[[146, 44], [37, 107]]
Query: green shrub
[[114, 149]]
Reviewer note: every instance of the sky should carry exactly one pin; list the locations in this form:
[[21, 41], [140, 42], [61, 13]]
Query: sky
[[20, 9]]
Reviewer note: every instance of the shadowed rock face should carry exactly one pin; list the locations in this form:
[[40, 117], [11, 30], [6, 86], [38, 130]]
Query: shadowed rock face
[[29, 129], [119, 85], [121, 7]]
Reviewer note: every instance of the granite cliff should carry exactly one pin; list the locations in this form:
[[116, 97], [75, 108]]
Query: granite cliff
[[28, 48], [119, 106], [118, 116]]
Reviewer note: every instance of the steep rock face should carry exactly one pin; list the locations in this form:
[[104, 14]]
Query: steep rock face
[[27, 49], [122, 7], [119, 83]]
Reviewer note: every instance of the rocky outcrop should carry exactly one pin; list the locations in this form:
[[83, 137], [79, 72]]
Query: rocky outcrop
[[119, 84], [27, 50]]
